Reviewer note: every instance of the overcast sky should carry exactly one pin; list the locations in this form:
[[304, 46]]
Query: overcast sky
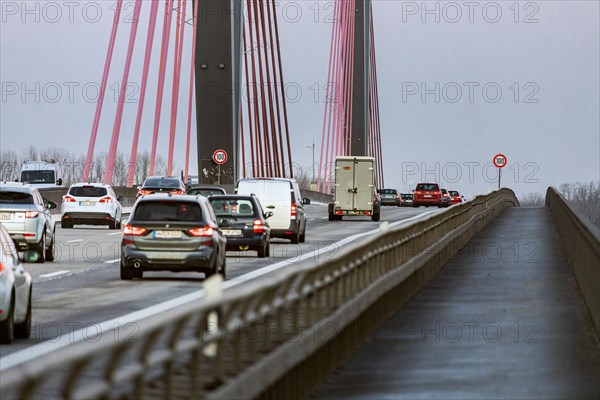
[[458, 83]]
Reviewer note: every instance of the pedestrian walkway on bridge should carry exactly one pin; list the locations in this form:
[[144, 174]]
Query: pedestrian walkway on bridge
[[503, 319]]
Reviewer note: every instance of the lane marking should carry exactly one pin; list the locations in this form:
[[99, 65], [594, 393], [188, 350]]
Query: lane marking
[[114, 233], [74, 241], [40, 349], [57, 273], [112, 261]]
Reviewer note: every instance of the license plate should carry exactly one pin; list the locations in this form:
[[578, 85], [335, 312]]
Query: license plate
[[232, 232], [5, 216], [87, 203], [167, 234], [427, 195]]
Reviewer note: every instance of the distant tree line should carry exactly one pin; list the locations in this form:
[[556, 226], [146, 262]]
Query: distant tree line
[[584, 196], [72, 165]]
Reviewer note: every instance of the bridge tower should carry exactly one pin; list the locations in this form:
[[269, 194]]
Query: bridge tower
[[361, 78], [218, 84]]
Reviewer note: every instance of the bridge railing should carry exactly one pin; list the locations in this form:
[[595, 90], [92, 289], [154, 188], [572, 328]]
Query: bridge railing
[[581, 241], [276, 336]]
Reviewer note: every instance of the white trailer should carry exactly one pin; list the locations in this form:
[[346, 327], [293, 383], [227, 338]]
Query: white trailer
[[354, 192]]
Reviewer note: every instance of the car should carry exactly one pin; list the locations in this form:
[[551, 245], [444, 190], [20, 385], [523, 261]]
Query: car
[[427, 194], [26, 217], [389, 197], [457, 198], [206, 190], [406, 199], [168, 232], [16, 287], [282, 197], [91, 204], [243, 222], [161, 184], [446, 198]]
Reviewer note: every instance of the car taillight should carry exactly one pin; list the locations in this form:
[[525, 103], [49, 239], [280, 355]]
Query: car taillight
[[144, 192], [177, 192], [418, 193], [106, 200], [293, 211], [133, 230], [201, 232], [1, 267], [31, 214], [68, 199], [258, 226]]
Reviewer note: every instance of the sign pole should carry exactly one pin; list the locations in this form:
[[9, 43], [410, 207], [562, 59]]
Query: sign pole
[[499, 176]]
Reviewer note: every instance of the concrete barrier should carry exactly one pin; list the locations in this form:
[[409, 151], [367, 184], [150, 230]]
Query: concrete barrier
[[581, 241]]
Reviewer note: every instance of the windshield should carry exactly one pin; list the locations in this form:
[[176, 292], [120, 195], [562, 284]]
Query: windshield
[[428, 187], [39, 176], [160, 182], [388, 191], [15, 198], [87, 191], [407, 196], [238, 208], [454, 193], [168, 211], [204, 192]]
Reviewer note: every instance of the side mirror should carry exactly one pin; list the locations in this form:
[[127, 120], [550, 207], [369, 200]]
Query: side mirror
[[224, 222], [268, 214], [332, 191], [59, 182], [305, 200], [51, 205], [120, 199], [139, 187]]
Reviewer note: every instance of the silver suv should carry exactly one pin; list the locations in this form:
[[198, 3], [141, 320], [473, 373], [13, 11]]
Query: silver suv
[[26, 217]]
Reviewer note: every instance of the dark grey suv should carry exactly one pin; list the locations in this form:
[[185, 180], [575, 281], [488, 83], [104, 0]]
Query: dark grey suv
[[172, 233]]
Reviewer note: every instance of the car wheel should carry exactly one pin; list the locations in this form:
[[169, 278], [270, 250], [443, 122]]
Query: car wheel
[[262, 251], [268, 249], [23, 330], [415, 206], [65, 225], [41, 250], [223, 271], [295, 239], [376, 217], [118, 225], [112, 224], [303, 236], [127, 274], [7, 333], [332, 217], [51, 251]]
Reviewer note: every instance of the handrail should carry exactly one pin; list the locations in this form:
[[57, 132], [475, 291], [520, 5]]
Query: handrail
[[581, 241], [255, 336]]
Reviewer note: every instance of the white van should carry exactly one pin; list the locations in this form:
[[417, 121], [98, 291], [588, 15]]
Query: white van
[[282, 197], [42, 174]]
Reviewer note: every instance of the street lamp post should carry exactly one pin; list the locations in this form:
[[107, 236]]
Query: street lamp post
[[313, 160]]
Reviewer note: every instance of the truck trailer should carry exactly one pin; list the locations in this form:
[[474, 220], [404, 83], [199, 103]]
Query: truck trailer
[[354, 192]]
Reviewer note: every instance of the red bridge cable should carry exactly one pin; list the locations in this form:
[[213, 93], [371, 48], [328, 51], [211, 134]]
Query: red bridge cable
[[179, 36], [111, 45], [161, 80], [138, 120], [114, 141], [248, 100], [259, 149], [191, 93]]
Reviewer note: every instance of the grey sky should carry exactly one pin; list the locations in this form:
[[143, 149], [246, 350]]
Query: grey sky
[[544, 59]]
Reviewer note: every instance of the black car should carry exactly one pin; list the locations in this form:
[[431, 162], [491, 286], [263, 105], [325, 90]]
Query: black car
[[389, 197], [206, 190], [161, 184], [172, 233], [243, 222]]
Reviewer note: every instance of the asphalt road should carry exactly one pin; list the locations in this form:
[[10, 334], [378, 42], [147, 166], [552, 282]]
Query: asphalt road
[[82, 287]]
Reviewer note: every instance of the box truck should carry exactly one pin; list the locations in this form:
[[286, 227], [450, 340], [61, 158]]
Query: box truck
[[42, 174], [354, 192]]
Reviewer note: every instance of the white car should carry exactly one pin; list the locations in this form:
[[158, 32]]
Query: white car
[[91, 204], [15, 292]]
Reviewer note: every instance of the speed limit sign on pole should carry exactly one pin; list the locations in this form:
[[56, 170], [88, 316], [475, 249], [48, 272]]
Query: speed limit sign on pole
[[500, 162], [220, 157]]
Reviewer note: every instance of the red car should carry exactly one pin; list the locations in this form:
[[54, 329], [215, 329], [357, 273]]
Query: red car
[[456, 197], [427, 194]]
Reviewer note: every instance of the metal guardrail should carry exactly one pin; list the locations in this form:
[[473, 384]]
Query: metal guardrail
[[277, 336], [581, 241]]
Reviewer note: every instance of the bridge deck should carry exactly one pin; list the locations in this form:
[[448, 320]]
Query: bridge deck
[[503, 319]]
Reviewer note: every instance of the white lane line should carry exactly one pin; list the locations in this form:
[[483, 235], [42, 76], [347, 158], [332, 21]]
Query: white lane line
[[74, 241], [114, 233], [38, 350], [51, 274], [116, 260]]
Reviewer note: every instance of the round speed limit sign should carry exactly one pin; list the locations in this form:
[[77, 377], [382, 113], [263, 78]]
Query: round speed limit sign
[[220, 157], [500, 160]]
